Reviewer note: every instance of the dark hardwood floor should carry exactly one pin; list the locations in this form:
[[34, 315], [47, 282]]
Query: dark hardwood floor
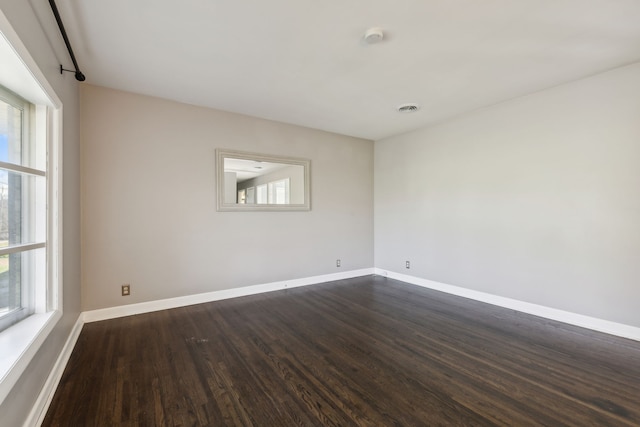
[[368, 351]]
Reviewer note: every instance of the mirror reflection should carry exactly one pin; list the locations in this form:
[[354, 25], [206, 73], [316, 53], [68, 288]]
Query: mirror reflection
[[249, 181]]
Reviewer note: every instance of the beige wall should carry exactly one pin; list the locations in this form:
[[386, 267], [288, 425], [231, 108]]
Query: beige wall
[[536, 199], [149, 202], [26, 18]]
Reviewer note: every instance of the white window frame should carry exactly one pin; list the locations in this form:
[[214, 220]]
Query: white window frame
[[20, 342], [33, 277]]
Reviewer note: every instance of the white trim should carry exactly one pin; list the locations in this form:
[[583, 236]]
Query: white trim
[[40, 407], [146, 307], [600, 325], [55, 199], [18, 345], [37, 89]]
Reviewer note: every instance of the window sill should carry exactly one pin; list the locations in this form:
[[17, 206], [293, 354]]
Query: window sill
[[18, 345]]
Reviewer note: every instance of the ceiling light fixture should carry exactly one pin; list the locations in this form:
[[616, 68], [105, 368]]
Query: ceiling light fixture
[[373, 35], [408, 108]]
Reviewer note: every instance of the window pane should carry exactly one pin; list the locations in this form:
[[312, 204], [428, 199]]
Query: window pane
[[279, 192], [261, 194], [22, 220], [10, 133], [19, 273], [14, 119], [10, 284], [22, 207]]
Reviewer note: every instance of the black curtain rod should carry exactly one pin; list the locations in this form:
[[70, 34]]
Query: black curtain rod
[[79, 76]]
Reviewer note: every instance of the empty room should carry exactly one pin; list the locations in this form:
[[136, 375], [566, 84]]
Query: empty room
[[287, 212]]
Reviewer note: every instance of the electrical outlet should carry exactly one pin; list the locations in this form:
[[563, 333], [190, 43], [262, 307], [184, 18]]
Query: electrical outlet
[[126, 290], [408, 264], [338, 263]]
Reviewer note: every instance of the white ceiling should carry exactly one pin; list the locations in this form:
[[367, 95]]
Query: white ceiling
[[304, 61]]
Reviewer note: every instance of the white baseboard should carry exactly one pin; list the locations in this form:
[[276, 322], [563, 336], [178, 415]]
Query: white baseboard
[[40, 407], [146, 307], [600, 325]]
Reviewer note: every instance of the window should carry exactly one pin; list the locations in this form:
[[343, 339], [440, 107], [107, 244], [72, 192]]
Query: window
[[22, 210], [30, 201], [279, 192], [261, 194]]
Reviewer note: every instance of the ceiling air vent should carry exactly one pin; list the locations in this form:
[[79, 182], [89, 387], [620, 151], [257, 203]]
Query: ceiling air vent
[[408, 108]]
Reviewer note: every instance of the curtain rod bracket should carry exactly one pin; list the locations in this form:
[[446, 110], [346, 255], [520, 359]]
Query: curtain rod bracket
[[79, 76]]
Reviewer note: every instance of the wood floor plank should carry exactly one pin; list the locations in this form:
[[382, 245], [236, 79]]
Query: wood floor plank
[[368, 351]]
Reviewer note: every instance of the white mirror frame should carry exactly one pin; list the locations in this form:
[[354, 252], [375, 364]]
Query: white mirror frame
[[222, 154]]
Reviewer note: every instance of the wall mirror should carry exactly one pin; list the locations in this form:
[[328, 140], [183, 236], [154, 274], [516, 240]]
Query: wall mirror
[[261, 182]]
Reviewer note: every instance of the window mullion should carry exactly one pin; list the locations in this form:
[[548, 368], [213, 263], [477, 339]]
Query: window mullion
[[21, 169], [21, 248]]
